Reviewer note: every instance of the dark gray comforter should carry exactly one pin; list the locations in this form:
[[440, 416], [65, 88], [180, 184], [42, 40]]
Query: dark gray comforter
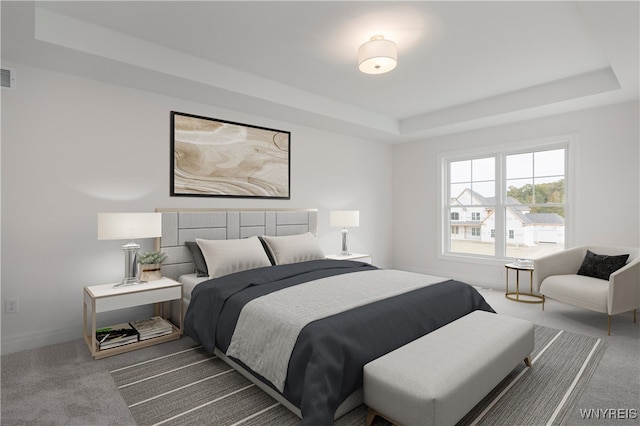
[[327, 360]]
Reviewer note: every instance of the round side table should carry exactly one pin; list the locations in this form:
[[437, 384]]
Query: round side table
[[518, 296]]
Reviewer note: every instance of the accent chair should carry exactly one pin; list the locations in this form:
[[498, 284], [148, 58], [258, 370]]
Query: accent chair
[[581, 276]]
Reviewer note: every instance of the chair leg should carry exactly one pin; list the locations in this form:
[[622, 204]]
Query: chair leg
[[634, 315], [371, 414], [608, 325]]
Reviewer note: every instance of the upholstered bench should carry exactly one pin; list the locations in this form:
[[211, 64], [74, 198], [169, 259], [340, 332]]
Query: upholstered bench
[[440, 377]]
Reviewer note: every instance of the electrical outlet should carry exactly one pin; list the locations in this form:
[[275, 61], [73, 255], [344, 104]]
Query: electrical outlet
[[11, 306]]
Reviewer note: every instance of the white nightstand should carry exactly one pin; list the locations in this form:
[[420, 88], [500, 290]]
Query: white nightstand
[[353, 256], [106, 297]]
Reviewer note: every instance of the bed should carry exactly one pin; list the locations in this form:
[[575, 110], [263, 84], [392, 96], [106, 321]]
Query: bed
[[299, 326]]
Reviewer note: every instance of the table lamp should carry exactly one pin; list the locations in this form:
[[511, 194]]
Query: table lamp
[[128, 226], [344, 219]]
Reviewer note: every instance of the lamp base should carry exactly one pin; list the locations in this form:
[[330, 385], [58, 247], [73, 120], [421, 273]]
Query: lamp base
[[345, 250], [129, 281], [130, 259]]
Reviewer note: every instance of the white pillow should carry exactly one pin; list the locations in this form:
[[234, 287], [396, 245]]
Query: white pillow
[[294, 248], [225, 257]]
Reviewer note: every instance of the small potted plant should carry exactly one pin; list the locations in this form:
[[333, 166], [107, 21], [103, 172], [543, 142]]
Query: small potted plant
[[150, 265]]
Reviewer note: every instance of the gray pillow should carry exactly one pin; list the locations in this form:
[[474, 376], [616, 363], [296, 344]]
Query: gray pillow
[[198, 259], [601, 265]]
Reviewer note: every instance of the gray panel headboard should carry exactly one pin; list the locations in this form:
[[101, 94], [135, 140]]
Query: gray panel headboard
[[180, 225]]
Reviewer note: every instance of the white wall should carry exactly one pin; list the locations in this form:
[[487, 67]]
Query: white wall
[[73, 147], [606, 179]]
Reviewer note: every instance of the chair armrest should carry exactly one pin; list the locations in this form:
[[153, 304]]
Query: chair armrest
[[624, 288], [561, 263]]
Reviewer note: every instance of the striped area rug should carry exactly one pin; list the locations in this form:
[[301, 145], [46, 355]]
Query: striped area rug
[[191, 387]]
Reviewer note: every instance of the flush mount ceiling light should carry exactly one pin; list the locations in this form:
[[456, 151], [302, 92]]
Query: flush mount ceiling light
[[377, 56]]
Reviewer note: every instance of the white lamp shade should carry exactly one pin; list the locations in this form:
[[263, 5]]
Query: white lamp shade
[[377, 56], [344, 218], [127, 226]]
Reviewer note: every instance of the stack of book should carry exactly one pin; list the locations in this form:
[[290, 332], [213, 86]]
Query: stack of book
[[152, 327], [117, 335]]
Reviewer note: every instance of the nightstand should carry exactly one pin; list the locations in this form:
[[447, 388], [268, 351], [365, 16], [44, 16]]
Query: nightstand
[[367, 258], [106, 297]]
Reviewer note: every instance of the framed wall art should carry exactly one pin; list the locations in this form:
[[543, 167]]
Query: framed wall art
[[218, 158]]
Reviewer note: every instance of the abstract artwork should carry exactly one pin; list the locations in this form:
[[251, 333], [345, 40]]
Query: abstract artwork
[[217, 158]]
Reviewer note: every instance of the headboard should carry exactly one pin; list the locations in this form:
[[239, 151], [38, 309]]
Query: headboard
[[180, 225]]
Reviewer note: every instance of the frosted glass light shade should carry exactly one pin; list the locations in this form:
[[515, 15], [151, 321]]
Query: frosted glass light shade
[[344, 218], [128, 226], [377, 56]]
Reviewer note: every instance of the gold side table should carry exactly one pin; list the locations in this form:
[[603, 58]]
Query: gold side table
[[518, 296]]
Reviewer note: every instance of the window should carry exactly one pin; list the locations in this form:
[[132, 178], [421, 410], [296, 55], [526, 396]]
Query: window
[[535, 202], [507, 204], [471, 188]]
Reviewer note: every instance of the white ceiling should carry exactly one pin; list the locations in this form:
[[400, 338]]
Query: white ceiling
[[461, 65]]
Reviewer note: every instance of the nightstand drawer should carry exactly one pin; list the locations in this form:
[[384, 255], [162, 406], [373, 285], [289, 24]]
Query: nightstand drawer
[[129, 300]]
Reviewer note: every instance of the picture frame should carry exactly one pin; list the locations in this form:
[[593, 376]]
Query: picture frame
[[219, 158]]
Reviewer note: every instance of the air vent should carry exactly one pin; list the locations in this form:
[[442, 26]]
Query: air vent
[[8, 78]]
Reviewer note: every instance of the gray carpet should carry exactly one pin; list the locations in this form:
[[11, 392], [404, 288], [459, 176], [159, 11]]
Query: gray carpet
[[62, 385], [190, 387]]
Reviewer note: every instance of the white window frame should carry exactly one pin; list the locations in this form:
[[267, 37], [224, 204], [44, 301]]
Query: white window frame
[[568, 142]]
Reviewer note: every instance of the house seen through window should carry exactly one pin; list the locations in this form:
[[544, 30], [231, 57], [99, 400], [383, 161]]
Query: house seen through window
[[506, 205]]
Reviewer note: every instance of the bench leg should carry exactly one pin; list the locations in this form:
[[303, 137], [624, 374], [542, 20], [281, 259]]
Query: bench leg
[[527, 361], [371, 414]]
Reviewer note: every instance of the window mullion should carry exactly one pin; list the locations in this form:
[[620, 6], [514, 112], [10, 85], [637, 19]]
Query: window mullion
[[500, 242]]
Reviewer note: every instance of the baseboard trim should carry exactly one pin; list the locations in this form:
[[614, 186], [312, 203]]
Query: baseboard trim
[[25, 341]]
